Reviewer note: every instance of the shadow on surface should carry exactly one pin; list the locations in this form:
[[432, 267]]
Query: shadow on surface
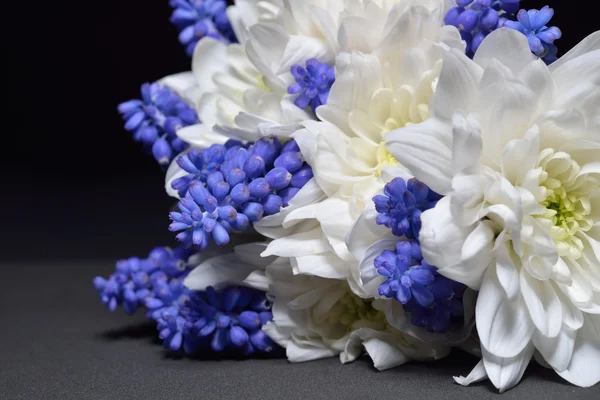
[[147, 331], [143, 330]]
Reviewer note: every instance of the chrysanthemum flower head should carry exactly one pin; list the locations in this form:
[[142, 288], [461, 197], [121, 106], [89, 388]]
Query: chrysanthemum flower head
[[514, 146]]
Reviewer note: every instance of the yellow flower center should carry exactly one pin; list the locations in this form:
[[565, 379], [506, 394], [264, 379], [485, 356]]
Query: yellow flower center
[[351, 310], [384, 158], [261, 85], [567, 201]]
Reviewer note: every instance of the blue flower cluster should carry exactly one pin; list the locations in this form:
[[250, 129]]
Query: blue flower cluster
[[313, 83], [231, 318], [196, 19], [433, 301], [476, 19], [155, 118], [532, 23], [134, 278], [401, 205], [229, 187]]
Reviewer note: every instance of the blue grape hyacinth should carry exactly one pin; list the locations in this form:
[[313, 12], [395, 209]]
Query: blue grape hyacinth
[[135, 279], [401, 205], [195, 321], [155, 118], [196, 19], [230, 318], [533, 24], [231, 186], [433, 301], [475, 19], [313, 83]]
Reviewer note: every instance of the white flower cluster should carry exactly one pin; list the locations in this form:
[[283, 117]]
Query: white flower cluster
[[512, 144]]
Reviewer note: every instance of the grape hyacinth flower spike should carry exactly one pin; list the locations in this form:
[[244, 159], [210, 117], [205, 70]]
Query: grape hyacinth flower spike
[[155, 118], [475, 19], [313, 83], [135, 279], [533, 24], [229, 187], [196, 19], [433, 301], [195, 321]]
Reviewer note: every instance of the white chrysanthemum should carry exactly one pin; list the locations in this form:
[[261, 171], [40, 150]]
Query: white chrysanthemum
[[313, 317], [366, 241], [515, 147], [316, 317], [245, 13], [321, 30], [372, 94]]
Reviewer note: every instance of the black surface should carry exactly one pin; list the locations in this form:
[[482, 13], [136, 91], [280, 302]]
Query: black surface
[[58, 342]]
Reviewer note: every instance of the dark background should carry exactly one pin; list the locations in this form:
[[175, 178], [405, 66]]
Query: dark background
[[74, 184]]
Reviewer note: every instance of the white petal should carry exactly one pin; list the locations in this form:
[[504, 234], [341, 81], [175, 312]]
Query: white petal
[[218, 271], [210, 57], [577, 79], [475, 256], [380, 346], [365, 232], [506, 372], [520, 156], [590, 43], [441, 238], [180, 83], [257, 280], [273, 226], [457, 85], [537, 77], [265, 49], [251, 254], [352, 35], [302, 48], [300, 352], [572, 316], [511, 102], [300, 244], [583, 369], [200, 135], [425, 149], [467, 201], [173, 172], [326, 265], [476, 375], [384, 354], [506, 45], [557, 351], [466, 144], [476, 252], [504, 325], [544, 306], [506, 266], [461, 254], [367, 272]]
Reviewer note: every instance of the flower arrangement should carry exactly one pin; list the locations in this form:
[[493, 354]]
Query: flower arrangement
[[395, 177]]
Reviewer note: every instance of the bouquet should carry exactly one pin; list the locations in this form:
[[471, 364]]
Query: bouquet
[[389, 177]]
